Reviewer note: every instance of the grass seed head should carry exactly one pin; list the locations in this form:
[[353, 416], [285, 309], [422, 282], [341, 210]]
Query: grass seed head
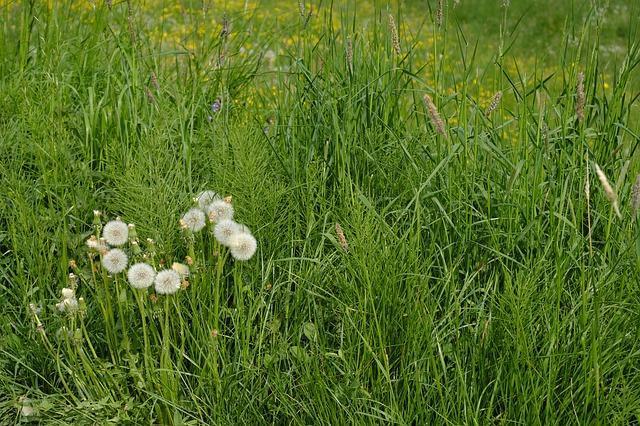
[[341, 238], [434, 115], [495, 101], [395, 39], [580, 97], [608, 190], [635, 195]]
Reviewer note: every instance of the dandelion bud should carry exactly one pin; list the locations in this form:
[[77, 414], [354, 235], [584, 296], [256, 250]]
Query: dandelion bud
[[135, 247], [82, 305], [77, 335], [96, 217], [153, 298], [184, 284], [133, 235], [73, 280], [72, 264]]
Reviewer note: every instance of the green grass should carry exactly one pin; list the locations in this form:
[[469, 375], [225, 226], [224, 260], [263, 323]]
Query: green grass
[[482, 284]]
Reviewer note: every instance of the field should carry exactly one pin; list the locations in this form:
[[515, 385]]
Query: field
[[440, 200]]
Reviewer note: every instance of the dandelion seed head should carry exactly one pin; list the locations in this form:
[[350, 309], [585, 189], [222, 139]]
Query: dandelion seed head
[[68, 293], [115, 261], [141, 275], [115, 232], [243, 246], [167, 282], [220, 210], [205, 198], [194, 220], [224, 230]]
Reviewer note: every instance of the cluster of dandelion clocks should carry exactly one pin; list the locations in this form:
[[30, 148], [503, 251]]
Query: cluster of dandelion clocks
[[220, 214]]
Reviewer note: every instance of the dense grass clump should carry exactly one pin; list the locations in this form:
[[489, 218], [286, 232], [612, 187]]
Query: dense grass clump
[[439, 205]]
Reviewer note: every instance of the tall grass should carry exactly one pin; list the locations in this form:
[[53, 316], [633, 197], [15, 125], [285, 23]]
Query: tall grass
[[409, 270]]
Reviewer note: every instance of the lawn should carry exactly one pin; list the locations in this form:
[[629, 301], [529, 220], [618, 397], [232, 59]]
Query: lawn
[[316, 212]]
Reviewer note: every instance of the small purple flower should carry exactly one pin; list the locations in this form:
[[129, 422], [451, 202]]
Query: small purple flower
[[216, 106]]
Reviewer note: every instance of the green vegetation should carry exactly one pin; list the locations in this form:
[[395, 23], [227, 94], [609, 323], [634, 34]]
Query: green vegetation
[[437, 240]]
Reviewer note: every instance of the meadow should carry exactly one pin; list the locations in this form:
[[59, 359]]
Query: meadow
[[319, 212]]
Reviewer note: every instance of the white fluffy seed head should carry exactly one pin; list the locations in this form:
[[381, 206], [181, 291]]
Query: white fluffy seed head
[[206, 198], [224, 230], [68, 293], [242, 246], [167, 282], [181, 269], [141, 275], [220, 210], [115, 261], [194, 220], [115, 232]]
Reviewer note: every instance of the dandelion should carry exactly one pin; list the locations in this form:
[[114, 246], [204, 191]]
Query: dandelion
[[242, 246], [115, 261], [494, 103], [194, 220], [205, 198], [68, 293], [635, 195], [608, 190], [141, 275], [224, 230], [116, 232], [98, 245], [181, 269], [436, 120], [220, 210], [341, 238], [167, 282], [395, 39], [580, 101]]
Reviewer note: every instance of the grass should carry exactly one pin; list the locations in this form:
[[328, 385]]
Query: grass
[[487, 278]]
